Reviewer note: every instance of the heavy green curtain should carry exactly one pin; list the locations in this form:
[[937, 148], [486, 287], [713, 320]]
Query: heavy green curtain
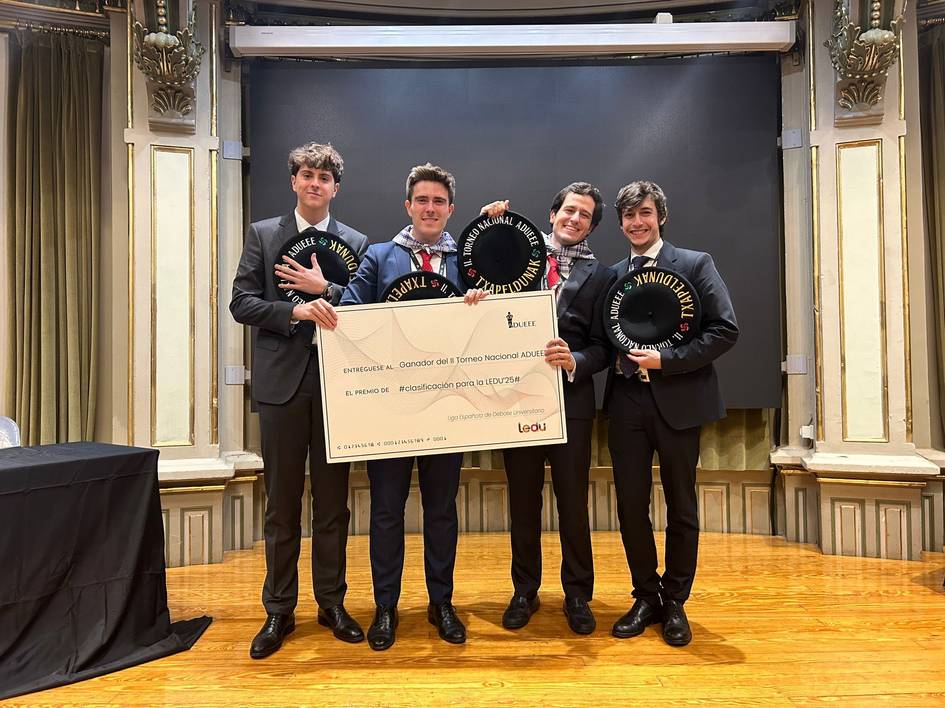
[[932, 91], [52, 288]]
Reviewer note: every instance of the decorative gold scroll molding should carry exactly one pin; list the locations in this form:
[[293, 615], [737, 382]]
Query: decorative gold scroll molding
[[170, 61], [811, 75], [862, 54], [818, 298], [130, 77], [214, 325], [131, 294], [906, 323]]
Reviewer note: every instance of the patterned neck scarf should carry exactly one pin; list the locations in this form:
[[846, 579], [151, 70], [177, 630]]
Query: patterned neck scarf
[[444, 244], [566, 255]]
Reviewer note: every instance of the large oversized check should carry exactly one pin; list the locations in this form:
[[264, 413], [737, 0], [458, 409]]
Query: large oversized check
[[433, 376]]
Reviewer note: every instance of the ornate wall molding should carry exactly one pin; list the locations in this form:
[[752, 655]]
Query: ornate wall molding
[[170, 60], [862, 53]]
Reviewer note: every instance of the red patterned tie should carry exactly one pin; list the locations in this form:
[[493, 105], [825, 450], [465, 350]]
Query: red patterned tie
[[553, 276], [426, 256]]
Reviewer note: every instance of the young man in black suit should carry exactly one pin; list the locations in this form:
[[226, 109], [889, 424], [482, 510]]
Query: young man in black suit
[[580, 282], [658, 400], [285, 388]]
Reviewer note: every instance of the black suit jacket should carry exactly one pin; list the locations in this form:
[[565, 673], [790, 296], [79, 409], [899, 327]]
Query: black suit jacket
[[686, 389], [581, 325], [280, 350]]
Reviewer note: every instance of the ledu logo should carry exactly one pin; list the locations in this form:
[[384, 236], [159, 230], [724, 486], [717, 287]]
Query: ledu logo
[[533, 428]]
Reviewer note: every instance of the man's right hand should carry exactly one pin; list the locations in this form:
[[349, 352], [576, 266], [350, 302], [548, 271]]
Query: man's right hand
[[495, 208], [318, 311]]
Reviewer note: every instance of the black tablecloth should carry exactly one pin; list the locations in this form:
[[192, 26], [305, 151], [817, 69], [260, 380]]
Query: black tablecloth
[[82, 587]]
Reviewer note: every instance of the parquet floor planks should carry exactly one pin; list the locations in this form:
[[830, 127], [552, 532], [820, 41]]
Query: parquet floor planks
[[774, 623]]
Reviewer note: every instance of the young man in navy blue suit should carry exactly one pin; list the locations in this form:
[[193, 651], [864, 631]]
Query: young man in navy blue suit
[[422, 245], [658, 400], [580, 283]]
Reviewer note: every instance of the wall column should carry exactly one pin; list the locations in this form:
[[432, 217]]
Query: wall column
[[863, 478], [184, 214]]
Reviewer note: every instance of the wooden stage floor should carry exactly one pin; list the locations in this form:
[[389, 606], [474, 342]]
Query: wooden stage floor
[[774, 623]]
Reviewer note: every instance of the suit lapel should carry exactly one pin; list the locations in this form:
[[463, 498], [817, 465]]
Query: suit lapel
[[333, 226], [287, 229], [667, 257], [621, 268], [580, 271], [402, 262], [452, 269]]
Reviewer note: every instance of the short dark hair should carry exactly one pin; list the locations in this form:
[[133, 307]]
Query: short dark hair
[[431, 173], [317, 157], [634, 194], [585, 189]]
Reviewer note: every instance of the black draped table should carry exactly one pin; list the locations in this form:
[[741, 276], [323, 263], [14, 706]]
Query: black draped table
[[82, 587]]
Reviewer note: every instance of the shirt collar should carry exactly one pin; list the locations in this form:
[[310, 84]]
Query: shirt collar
[[652, 252], [301, 224]]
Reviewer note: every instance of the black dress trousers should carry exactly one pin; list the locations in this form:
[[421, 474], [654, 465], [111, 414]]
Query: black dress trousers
[[290, 433], [525, 471], [637, 430], [390, 486]]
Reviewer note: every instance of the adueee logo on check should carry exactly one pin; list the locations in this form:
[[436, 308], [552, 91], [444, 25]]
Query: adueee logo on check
[[516, 325]]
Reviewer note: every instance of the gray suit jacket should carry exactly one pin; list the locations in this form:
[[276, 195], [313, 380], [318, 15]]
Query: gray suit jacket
[[280, 350]]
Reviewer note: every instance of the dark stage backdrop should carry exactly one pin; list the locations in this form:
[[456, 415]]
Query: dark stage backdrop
[[704, 128]]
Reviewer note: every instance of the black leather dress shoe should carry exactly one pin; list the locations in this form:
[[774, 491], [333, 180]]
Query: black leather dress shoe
[[519, 611], [380, 634], [676, 630], [269, 638], [342, 625], [641, 615], [448, 625], [580, 618]]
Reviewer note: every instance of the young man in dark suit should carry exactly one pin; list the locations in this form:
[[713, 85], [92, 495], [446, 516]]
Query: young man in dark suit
[[423, 245], [658, 400], [580, 282], [285, 388]]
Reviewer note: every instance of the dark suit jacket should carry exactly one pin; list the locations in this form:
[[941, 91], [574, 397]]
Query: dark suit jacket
[[280, 350], [382, 264], [581, 325], [686, 389]]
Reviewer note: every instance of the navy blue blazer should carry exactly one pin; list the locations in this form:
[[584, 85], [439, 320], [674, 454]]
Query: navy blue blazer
[[381, 265], [686, 389]]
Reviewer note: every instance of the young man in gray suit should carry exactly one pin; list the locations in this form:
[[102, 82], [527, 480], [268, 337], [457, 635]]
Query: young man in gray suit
[[286, 391], [658, 400]]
